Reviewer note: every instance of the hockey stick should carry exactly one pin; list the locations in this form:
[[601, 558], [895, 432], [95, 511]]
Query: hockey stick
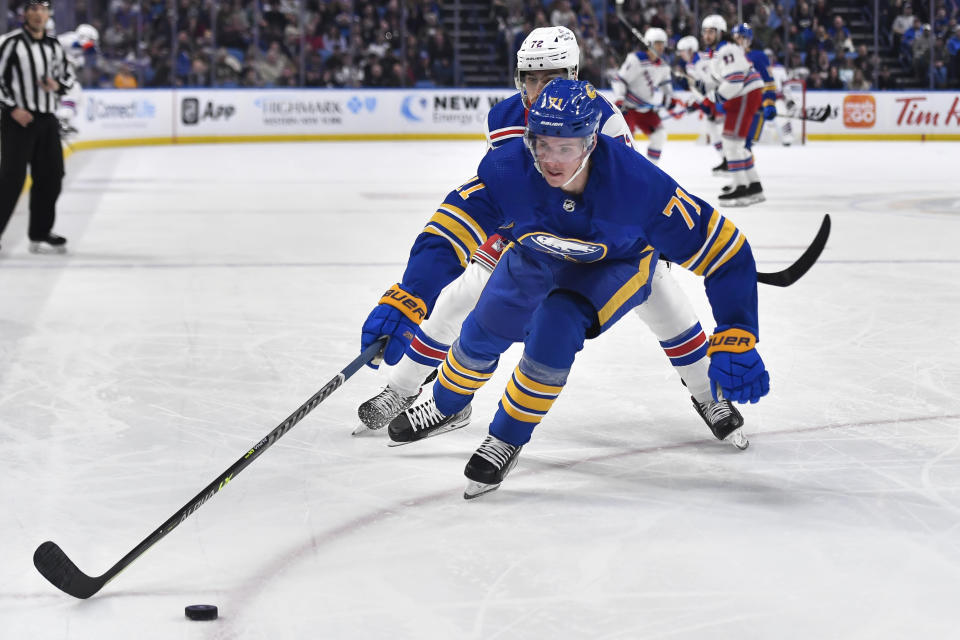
[[795, 271], [639, 36], [54, 565], [820, 117]]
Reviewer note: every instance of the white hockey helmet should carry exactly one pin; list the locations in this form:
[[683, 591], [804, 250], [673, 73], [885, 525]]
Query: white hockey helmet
[[655, 34], [714, 21], [688, 43], [87, 35], [547, 48]]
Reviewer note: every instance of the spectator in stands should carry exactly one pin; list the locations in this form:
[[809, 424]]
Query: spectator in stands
[[563, 16], [859, 82], [124, 78], [833, 81], [920, 47], [840, 35], [953, 56], [901, 24], [845, 71]]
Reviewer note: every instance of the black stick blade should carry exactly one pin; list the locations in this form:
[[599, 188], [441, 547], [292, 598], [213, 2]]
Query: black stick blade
[[54, 565], [795, 271]]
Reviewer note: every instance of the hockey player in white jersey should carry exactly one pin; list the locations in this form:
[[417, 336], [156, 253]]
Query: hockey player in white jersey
[[736, 87], [697, 72], [76, 44], [642, 86], [417, 351]]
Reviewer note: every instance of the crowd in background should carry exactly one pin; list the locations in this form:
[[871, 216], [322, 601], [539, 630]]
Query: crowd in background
[[394, 43]]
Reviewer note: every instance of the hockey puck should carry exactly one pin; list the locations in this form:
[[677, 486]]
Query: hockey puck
[[201, 612]]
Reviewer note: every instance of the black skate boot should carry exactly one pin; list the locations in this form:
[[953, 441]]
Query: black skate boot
[[754, 194], [378, 411], [724, 421], [51, 244], [488, 467], [732, 198], [721, 169], [424, 421]]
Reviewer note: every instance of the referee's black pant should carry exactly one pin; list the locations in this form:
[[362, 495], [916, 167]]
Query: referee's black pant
[[37, 144]]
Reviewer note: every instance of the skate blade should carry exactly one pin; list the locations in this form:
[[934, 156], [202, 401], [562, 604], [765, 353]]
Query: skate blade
[[363, 430], [453, 426], [738, 439], [477, 489], [47, 251]]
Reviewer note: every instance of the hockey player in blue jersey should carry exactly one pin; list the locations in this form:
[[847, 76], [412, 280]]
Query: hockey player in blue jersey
[[454, 247], [589, 219], [743, 36]]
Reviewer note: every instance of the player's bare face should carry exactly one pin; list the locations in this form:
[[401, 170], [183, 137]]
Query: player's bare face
[[35, 17], [686, 55], [535, 81], [709, 37], [658, 48], [559, 158]]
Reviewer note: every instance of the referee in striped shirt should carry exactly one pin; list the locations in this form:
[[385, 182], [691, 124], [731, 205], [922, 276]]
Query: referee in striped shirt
[[34, 73]]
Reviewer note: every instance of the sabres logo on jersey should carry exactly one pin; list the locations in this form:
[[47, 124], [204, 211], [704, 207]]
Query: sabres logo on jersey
[[569, 249], [591, 92]]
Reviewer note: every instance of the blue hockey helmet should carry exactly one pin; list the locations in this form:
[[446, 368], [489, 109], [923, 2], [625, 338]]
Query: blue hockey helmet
[[743, 30], [565, 109]]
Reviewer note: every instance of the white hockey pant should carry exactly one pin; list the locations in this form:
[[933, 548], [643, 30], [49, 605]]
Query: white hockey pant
[[669, 314], [655, 148], [453, 305]]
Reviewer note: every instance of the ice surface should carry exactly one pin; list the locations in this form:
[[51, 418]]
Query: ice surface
[[210, 290]]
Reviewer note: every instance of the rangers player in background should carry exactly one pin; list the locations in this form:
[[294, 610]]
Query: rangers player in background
[[458, 245], [77, 45], [737, 86], [642, 86], [588, 218], [697, 73]]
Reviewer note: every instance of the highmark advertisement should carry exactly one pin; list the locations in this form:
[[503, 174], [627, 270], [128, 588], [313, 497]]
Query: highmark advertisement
[[185, 115]]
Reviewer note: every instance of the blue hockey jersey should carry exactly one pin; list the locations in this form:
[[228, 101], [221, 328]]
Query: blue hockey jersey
[[627, 207], [761, 63]]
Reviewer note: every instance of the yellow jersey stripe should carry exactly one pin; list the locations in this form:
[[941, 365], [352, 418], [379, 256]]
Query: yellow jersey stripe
[[457, 228], [723, 237], [527, 401], [447, 384], [711, 225], [461, 255], [534, 386], [466, 192], [729, 253], [466, 220], [632, 285], [518, 414]]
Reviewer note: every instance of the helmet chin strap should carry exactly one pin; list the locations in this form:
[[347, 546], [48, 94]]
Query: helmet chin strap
[[583, 163]]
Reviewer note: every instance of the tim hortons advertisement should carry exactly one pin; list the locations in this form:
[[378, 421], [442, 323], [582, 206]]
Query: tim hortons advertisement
[[890, 115]]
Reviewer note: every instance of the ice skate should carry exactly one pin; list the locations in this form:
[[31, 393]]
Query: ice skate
[[488, 467], [753, 195], [724, 421], [378, 411], [425, 421], [721, 169], [51, 244]]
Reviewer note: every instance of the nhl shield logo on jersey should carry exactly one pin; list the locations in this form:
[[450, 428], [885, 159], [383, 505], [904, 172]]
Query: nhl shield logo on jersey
[[568, 205], [564, 248]]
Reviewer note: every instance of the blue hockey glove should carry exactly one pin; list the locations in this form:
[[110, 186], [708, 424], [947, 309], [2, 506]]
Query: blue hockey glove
[[397, 315], [736, 366], [769, 112]]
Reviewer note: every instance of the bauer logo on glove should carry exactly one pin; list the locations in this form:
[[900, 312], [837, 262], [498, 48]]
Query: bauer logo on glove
[[411, 306]]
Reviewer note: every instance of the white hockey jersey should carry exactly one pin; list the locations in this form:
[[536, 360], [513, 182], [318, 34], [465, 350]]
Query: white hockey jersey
[[730, 73], [642, 83]]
